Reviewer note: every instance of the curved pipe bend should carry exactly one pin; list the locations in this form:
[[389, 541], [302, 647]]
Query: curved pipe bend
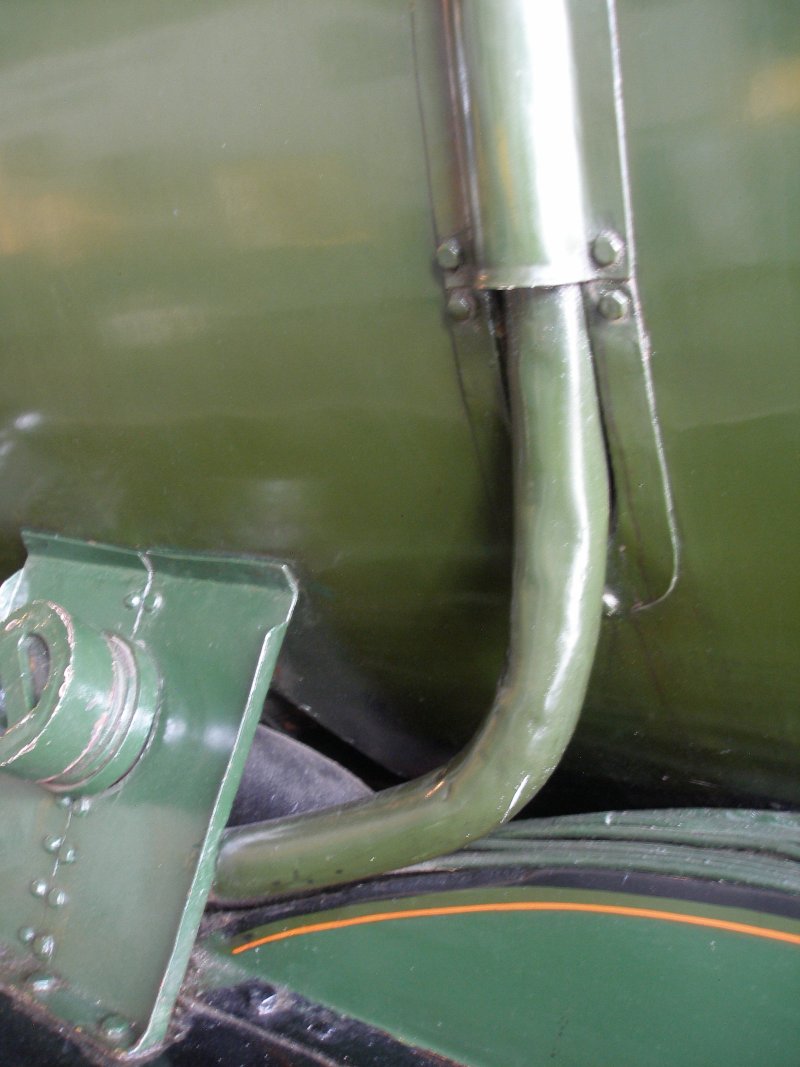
[[560, 530]]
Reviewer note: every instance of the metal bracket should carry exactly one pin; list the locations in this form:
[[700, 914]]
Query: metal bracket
[[644, 551], [132, 684]]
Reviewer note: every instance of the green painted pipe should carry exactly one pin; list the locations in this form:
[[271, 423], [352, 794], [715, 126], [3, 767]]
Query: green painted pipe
[[561, 526]]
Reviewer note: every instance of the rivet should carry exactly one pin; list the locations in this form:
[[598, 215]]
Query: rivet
[[41, 982], [450, 254], [57, 898], [82, 806], [612, 606], [153, 603], [116, 1030], [26, 934], [132, 600], [461, 305], [44, 946], [52, 843], [614, 305], [607, 248], [64, 802], [39, 887], [69, 855]]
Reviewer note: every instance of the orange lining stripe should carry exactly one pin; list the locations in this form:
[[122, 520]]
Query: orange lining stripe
[[525, 905]]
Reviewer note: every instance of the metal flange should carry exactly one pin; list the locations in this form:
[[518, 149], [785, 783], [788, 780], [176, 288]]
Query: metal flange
[[77, 704]]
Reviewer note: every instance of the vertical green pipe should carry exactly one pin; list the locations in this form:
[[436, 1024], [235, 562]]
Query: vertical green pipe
[[561, 526], [526, 146]]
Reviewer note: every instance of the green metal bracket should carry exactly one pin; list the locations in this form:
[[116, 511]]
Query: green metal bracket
[[644, 552], [131, 685]]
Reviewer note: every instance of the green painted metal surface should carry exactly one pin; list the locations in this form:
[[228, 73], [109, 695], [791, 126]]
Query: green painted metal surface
[[701, 691], [644, 551], [535, 976], [222, 329], [102, 895]]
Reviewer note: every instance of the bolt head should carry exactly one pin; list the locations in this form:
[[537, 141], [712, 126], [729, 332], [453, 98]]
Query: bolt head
[[44, 946], [612, 605], [615, 305], [39, 887], [607, 249], [52, 843], [460, 305], [450, 254], [69, 855], [57, 898], [41, 982], [26, 934], [117, 1031]]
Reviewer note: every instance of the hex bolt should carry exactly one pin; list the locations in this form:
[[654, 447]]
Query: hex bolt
[[26, 934], [116, 1030], [41, 982], [614, 306], [57, 898], [450, 254], [461, 305], [39, 887], [607, 249], [44, 946], [52, 843]]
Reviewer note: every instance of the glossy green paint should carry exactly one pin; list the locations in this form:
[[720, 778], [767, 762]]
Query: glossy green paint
[[701, 690], [644, 550], [144, 849], [222, 325], [561, 529], [501, 989], [221, 328]]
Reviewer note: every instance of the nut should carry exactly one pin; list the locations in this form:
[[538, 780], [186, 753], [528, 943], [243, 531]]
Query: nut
[[607, 249], [461, 305], [615, 305], [450, 254]]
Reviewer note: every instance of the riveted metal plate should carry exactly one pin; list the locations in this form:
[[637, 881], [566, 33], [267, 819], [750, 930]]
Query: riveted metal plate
[[102, 895]]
